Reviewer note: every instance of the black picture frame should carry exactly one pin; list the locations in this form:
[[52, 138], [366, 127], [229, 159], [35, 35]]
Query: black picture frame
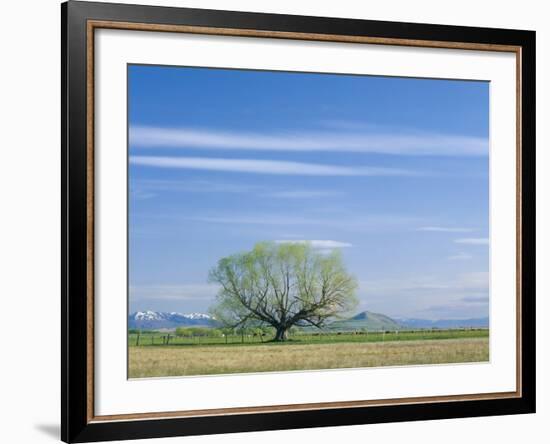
[[77, 327]]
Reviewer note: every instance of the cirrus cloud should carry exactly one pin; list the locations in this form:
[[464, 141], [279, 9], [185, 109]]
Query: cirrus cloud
[[445, 229], [473, 241], [277, 167], [412, 144], [321, 244]]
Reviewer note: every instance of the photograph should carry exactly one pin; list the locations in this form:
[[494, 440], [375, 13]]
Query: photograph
[[286, 221], [293, 220], [275, 222]]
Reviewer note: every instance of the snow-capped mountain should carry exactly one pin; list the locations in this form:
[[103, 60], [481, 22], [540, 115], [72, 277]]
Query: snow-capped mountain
[[159, 319], [194, 315]]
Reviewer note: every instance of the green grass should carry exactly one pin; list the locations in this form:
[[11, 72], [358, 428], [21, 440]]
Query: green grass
[[151, 339]]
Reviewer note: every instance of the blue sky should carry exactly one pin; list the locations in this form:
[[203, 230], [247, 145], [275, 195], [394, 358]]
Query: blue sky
[[394, 172]]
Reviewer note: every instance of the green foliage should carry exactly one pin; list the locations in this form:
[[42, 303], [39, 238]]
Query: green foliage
[[135, 331], [282, 285], [198, 331], [251, 337]]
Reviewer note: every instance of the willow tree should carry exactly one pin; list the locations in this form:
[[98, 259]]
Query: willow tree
[[282, 285]]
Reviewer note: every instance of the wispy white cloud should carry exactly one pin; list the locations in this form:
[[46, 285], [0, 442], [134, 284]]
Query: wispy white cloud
[[473, 241], [147, 188], [141, 194], [177, 292], [277, 167], [267, 219], [303, 194], [462, 296], [416, 144], [476, 299], [352, 223], [194, 186], [460, 257], [474, 280], [321, 244], [446, 229]]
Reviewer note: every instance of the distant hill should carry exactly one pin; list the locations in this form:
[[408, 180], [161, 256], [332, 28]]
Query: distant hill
[[152, 320], [445, 323], [367, 320]]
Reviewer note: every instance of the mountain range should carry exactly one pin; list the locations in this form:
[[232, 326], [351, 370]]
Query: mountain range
[[151, 320], [366, 320]]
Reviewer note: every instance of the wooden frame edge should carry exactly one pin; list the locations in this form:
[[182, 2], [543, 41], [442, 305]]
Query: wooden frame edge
[[335, 38], [204, 30], [284, 408]]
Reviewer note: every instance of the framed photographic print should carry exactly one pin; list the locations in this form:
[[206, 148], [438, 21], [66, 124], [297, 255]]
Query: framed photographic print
[[275, 221]]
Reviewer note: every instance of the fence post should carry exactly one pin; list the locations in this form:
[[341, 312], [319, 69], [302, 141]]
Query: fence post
[[137, 340]]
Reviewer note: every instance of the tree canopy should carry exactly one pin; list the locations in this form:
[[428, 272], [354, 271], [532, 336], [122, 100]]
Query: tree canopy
[[282, 285]]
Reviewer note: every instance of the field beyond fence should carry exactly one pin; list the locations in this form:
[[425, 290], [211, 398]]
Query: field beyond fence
[[149, 338], [164, 354]]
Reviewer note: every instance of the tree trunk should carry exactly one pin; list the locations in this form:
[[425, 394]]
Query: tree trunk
[[281, 334]]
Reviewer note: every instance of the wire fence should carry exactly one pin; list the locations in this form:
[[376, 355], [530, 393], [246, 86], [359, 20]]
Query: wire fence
[[151, 338]]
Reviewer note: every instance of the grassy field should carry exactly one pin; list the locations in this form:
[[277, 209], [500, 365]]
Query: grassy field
[[307, 353], [159, 339]]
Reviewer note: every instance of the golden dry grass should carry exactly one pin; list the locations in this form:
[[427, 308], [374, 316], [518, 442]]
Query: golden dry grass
[[186, 361]]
